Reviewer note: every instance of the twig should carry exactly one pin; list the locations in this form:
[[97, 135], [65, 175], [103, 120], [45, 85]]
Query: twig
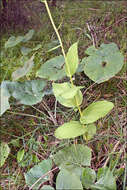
[[50, 113], [43, 177], [114, 149]]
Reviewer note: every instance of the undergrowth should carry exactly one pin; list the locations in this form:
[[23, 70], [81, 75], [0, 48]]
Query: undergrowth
[[31, 128]]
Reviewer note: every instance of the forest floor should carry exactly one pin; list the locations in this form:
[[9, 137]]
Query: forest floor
[[31, 127]]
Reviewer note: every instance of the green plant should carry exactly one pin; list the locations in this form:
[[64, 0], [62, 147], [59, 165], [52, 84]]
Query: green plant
[[68, 94], [75, 173]]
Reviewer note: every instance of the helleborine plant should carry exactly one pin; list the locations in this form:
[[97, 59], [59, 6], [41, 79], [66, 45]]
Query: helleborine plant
[[70, 95], [100, 65]]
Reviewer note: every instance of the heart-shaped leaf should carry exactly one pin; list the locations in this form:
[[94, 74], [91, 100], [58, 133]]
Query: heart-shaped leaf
[[71, 64], [103, 63], [29, 92], [71, 129], [36, 172], [4, 152], [96, 111], [52, 69], [67, 180], [22, 71], [77, 155]]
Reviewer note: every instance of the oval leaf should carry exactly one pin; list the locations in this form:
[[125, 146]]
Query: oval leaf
[[71, 64], [68, 95], [67, 180], [28, 35], [65, 90], [20, 155], [13, 41], [96, 111], [103, 63], [71, 129], [4, 152]]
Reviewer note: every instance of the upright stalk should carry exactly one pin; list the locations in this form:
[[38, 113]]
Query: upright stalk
[[61, 44]]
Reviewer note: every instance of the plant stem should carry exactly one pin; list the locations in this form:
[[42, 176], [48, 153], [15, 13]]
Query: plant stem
[[61, 44]]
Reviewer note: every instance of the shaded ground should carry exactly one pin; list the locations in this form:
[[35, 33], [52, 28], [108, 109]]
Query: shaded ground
[[21, 126]]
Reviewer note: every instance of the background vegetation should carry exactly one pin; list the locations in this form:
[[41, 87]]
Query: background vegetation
[[32, 127]]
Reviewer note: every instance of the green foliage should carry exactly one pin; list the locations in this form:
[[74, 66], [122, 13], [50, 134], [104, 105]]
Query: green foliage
[[71, 129], [4, 99], [20, 72], [28, 92], [103, 63], [67, 94], [88, 177], [4, 152], [13, 41], [71, 63], [105, 180], [52, 69], [38, 171], [96, 111], [73, 155], [68, 180], [20, 155], [47, 187]]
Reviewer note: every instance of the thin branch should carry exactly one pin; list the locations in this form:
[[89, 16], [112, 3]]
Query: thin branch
[[43, 177]]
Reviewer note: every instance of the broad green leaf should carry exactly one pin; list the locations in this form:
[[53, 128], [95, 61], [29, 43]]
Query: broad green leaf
[[72, 102], [13, 41], [4, 98], [47, 187], [52, 69], [67, 180], [36, 172], [90, 50], [96, 111], [71, 64], [88, 177], [20, 155], [65, 90], [29, 92], [28, 36], [71, 129], [4, 152], [105, 180], [25, 50], [76, 155], [90, 131], [22, 71], [77, 170], [103, 63]]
